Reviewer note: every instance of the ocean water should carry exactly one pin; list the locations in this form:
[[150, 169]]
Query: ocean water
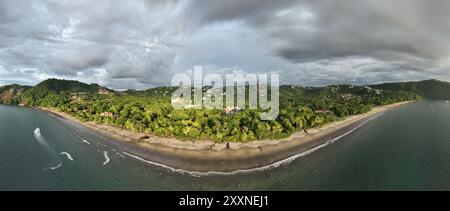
[[406, 148]]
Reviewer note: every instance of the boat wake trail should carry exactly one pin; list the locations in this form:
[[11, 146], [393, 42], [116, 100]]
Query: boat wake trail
[[56, 161], [105, 154], [87, 142], [69, 156], [84, 141]]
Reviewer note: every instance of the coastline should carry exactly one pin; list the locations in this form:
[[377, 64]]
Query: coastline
[[204, 157]]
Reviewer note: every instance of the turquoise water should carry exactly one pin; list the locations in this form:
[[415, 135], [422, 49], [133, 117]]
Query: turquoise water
[[407, 148]]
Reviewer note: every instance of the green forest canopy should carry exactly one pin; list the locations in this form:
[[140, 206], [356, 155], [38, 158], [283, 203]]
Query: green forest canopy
[[150, 111]]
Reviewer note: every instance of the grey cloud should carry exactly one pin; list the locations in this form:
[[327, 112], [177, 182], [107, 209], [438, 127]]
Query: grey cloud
[[142, 43], [408, 31], [253, 11], [407, 37], [87, 57], [65, 38]]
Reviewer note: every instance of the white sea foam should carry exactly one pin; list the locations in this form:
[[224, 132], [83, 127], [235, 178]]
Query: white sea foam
[[69, 156], [105, 154], [270, 166]]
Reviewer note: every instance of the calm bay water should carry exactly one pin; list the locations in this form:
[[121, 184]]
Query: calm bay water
[[407, 148]]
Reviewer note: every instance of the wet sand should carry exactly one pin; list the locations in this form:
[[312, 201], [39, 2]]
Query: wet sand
[[215, 158]]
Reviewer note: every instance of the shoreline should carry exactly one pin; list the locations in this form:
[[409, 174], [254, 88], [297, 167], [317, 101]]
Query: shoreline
[[208, 157]]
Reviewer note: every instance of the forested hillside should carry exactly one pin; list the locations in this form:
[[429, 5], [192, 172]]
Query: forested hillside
[[151, 111], [430, 89]]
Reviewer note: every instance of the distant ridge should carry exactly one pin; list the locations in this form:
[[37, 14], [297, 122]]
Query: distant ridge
[[429, 89], [10, 94], [66, 86]]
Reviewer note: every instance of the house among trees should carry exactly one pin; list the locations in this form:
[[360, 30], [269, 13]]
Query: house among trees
[[103, 91], [377, 91], [326, 112], [346, 96], [108, 114], [77, 97]]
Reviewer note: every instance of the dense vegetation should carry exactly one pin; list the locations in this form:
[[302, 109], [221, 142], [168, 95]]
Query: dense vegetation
[[430, 89], [150, 111]]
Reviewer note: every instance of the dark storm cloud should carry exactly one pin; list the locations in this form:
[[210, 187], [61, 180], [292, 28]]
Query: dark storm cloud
[[142, 43], [383, 29], [406, 37], [257, 12]]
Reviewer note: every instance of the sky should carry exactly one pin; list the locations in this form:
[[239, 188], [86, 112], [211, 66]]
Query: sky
[[139, 44]]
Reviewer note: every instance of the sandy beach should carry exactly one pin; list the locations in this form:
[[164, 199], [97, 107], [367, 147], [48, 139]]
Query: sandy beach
[[208, 156]]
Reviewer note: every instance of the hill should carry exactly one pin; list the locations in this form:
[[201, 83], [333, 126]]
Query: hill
[[56, 85], [429, 89], [10, 94], [55, 88]]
